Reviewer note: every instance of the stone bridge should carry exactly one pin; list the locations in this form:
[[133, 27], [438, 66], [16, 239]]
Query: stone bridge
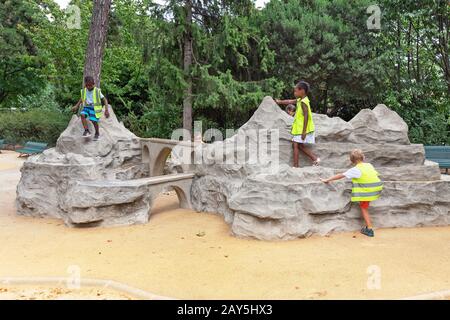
[[155, 152], [118, 202]]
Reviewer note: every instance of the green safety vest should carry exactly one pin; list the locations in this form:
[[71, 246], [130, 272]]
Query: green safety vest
[[367, 187], [97, 101], [299, 118]]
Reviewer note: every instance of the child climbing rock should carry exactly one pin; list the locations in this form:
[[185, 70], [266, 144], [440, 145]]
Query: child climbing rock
[[366, 186], [290, 110], [303, 126], [92, 106]]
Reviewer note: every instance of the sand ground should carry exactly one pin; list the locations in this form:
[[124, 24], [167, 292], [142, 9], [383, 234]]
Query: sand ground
[[26, 292], [184, 254]]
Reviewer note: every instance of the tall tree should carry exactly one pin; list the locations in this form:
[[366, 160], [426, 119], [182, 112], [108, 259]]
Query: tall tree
[[327, 43], [422, 40], [97, 39], [187, 62], [438, 33], [223, 56], [22, 65]]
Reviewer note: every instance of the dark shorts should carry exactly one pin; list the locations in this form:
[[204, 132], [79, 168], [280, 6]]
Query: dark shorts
[[89, 112]]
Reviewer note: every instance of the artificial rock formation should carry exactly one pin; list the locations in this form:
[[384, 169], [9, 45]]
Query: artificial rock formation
[[247, 178], [47, 187], [268, 201]]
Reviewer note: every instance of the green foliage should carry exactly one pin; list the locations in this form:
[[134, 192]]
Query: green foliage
[[155, 121], [44, 99], [241, 54], [425, 115], [327, 44], [43, 125], [414, 52], [231, 60], [22, 65]]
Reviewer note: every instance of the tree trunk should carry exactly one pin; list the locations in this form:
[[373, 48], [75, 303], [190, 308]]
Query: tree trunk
[[398, 53], [417, 54], [97, 39], [444, 32], [409, 56], [187, 62], [442, 22]]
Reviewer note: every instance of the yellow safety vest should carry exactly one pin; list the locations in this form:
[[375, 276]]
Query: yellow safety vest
[[367, 187], [297, 126], [97, 101]]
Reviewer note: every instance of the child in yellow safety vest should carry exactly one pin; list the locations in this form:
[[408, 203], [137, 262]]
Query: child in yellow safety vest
[[366, 186], [92, 106], [303, 125]]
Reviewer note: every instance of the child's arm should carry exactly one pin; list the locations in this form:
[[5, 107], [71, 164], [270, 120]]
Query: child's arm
[[75, 108], [285, 102], [305, 121], [105, 102], [336, 177]]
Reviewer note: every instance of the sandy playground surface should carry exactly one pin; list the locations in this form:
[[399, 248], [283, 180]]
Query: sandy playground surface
[[188, 255]]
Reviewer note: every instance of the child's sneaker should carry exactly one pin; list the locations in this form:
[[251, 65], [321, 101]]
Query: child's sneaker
[[316, 163], [86, 133], [96, 136], [368, 232]]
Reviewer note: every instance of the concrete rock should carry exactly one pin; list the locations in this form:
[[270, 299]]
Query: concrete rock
[[247, 178], [121, 202], [380, 124], [266, 201], [46, 178], [333, 129]]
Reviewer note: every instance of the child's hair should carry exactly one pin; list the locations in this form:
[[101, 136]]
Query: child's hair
[[88, 79], [303, 85], [356, 156], [290, 108]]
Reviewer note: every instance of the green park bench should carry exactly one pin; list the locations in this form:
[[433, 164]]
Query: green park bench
[[1, 144], [439, 154], [31, 148]]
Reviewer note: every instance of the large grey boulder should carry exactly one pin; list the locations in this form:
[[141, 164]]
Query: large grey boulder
[[380, 124], [120, 202], [271, 200], [43, 189], [333, 129]]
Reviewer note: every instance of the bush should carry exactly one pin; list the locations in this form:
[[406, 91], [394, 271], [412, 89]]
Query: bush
[[427, 116], [41, 125], [427, 127], [44, 99], [157, 121]]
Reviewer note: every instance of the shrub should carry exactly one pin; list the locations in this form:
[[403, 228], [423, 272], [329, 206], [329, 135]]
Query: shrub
[[43, 125], [427, 116], [154, 121]]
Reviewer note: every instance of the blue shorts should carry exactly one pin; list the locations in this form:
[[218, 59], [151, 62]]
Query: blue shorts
[[89, 112]]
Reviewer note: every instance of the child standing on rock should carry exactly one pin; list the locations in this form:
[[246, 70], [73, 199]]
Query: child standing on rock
[[303, 126], [92, 106], [366, 186]]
